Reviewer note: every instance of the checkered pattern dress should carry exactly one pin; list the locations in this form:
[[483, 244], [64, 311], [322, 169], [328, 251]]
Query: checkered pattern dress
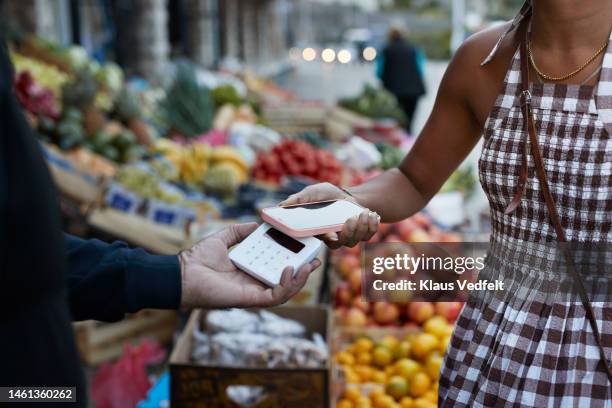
[[527, 348]]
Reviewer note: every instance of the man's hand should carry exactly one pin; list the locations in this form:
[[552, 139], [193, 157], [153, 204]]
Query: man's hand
[[210, 279]]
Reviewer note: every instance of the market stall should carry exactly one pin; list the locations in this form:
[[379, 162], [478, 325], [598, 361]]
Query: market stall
[[162, 167]]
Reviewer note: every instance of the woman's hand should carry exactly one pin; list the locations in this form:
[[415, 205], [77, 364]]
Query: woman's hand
[[210, 279], [356, 229]]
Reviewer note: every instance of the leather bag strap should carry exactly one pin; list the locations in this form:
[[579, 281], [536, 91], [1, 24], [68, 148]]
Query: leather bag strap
[[529, 128]]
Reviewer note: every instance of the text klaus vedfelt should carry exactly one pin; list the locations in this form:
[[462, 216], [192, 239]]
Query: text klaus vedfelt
[[412, 264]]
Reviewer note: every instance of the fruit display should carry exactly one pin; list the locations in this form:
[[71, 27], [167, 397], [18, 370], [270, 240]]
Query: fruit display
[[45, 75], [297, 158], [147, 184], [375, 103], [188, 107], [353, 311], [218, 170], [128, 111], [395, 368], [35, 98]]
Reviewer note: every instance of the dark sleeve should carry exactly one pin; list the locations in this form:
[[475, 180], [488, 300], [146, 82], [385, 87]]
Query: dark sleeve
[[105, 281]]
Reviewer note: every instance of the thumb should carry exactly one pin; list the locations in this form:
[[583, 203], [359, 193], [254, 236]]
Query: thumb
[[236, 233]]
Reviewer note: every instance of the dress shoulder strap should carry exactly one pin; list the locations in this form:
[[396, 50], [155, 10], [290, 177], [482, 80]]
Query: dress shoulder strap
[[514, 24]]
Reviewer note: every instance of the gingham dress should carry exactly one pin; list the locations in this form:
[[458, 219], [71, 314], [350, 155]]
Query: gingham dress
[[520, 349]]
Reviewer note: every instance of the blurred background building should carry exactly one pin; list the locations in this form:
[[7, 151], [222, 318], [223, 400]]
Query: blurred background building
[[143, 35]]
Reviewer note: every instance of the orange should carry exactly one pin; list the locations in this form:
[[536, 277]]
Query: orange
[[382, 356], [436, 325], [403, 350], [423, 344], [407, 367], [345, 358], [424, 403], [419, 384], [384, 401], [352, 393], [397, 387], [351, 377], [389, 371], [363, 402], [390, 342], [364, 372], [364, 357], [433, 365], [376, 393], [344, 403], [432, 396], [444, 343], [363, 344], [406, 402], [379, 376]]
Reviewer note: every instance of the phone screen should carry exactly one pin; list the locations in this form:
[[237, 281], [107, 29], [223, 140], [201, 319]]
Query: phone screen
[[315, 215], [284, 240]]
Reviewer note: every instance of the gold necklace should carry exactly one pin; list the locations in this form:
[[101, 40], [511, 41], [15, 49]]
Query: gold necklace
[[567, 76]]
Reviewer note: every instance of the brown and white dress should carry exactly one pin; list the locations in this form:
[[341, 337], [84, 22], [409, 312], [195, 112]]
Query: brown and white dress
[[521, 349]]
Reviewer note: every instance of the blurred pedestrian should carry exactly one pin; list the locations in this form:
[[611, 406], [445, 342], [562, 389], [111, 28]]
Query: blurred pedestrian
[[400, 73]]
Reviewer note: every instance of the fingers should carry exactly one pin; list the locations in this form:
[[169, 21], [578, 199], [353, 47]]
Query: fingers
[[290, 283], [356, 229], [236, 233]]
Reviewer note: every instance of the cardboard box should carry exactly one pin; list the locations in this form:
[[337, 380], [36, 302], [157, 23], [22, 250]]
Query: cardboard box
[[195, 385]]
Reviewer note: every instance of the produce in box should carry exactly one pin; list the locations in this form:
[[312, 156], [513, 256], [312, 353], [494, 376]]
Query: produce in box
[[352, 310], [395, 371], [297, 158], [47, 76], [35, 99], [219, 170]]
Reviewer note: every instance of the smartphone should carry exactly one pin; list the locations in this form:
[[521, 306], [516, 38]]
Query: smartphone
[[310, 219]]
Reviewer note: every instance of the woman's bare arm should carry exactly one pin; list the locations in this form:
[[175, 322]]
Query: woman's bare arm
[[464, 98], [450, 133]]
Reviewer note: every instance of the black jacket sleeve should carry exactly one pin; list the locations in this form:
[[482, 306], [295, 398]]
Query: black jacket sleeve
[[105, 281]]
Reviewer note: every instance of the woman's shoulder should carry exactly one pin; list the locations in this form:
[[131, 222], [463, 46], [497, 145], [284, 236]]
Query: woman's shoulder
[[475, 49], [476, 83]]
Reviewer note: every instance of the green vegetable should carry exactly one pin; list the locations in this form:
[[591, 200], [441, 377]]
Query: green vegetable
[[188, 107], [391, 155], [375, 103], [226, 94], [461, 180]]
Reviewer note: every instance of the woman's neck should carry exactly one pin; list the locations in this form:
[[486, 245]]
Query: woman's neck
[[571, 24]]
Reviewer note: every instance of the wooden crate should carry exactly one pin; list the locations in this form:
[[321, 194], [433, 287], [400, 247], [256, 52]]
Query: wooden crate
[[139, 231], [99, 342], [194, 385]]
